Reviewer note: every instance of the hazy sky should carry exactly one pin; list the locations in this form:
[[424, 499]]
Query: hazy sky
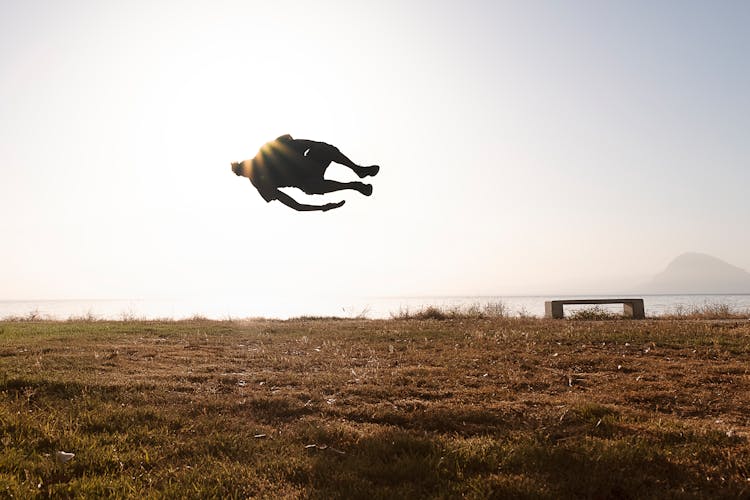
[[525, 146]]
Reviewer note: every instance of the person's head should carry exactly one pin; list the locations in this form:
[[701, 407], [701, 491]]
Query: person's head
[[239, 168]]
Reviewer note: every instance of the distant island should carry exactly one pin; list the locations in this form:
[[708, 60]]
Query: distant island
[[699, 273]]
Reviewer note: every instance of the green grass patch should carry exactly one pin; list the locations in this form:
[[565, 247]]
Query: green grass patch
[[490, 310]]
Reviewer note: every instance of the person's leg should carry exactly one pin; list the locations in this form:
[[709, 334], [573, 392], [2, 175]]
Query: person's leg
[[332, 153], [325, 186]]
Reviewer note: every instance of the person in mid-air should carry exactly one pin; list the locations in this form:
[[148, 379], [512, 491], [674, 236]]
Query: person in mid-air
[[289, 162]]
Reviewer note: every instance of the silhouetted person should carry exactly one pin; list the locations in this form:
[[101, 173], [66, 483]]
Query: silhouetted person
[[288, 162]]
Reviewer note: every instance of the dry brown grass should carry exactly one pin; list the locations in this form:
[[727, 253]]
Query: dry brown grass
[[520, 408], [707, 311]]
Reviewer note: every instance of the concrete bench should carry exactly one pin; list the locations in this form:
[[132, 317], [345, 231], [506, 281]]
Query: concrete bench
[[632, 308]]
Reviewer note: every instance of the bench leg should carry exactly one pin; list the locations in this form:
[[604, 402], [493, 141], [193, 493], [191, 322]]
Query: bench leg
[[553, 309], [634, 309], [627, 310], [639, 312]]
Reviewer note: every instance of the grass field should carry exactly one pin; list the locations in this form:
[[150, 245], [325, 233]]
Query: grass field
[[402, 408]]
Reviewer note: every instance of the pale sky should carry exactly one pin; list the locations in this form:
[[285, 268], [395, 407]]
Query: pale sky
[[525, 147]]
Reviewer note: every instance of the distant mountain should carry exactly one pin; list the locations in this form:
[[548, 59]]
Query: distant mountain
[[699, 273]]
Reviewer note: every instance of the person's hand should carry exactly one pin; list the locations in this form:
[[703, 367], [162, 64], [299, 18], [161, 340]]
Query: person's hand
[[331, 206]]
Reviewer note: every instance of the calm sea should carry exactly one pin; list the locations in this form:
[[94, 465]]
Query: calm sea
[[289, 307]]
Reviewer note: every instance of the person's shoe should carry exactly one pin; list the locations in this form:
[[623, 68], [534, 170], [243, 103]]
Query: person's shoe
[[372, 171], [366, 189]]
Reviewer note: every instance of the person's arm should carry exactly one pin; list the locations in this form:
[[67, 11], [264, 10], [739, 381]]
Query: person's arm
[[292, 203]]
